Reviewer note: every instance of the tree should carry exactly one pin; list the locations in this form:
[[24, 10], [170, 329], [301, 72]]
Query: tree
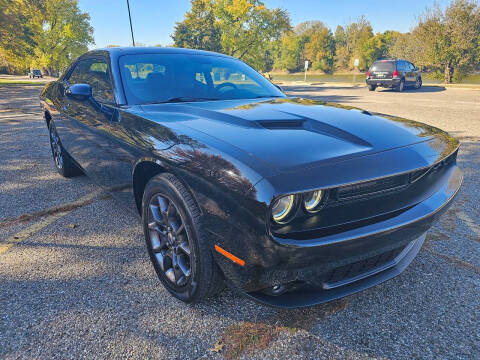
[[16, 35], [199, 29], [248, 27], [310, 40], [359, 36], [290, 52], [341, 52], [42, 33], [444, 41], [377, 46], [355, 41], [451, 40], [308, 27], [245, 29], [320, 47], [62, 33]]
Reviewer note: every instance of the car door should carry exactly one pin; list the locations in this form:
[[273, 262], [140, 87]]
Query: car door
[[410, 78], [401, 70], [102, 145], [87, 116], [413, 73]]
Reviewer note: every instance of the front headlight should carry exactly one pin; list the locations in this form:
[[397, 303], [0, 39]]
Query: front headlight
[[312, 200], [282, 208]]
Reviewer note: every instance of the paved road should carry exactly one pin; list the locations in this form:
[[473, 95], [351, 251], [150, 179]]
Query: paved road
[[44, 79], [76, 282]]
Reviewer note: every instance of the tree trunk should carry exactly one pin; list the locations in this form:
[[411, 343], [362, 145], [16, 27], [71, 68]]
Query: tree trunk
[[448, 74]]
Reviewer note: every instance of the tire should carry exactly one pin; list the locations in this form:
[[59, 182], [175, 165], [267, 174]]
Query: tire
[[418, 83], [63, 162], [372, 87], [180, 251], [401, 86]]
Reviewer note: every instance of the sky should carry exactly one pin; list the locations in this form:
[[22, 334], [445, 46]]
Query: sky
[[154, 20]]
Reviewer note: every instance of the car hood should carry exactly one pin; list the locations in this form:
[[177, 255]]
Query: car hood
[[289, 134]]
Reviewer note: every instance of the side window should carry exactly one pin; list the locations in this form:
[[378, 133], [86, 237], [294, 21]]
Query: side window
[[95, 73]]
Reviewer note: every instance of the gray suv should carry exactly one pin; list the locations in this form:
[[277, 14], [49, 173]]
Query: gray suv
[[35, 73], [396, 74]]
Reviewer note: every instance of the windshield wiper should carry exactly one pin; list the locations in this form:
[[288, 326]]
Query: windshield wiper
[[180, 99]]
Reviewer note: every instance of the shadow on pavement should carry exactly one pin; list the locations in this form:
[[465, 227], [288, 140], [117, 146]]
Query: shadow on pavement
[[423, 89]]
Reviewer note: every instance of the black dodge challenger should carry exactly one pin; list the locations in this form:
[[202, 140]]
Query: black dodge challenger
[[293, 202]]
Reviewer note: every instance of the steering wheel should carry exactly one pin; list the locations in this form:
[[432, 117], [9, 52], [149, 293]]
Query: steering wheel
[[225, 84]]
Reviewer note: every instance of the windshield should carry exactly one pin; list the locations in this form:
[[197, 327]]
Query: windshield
[[383, 66], [159, 78]]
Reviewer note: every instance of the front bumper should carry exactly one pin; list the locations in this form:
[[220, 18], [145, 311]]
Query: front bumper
[[330, 267], [388, 83]]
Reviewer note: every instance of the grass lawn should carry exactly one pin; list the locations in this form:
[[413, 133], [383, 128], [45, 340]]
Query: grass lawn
[[21, 82]]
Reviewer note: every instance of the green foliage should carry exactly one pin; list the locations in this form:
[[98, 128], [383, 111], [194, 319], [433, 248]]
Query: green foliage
[[320, 48], [62, 34], [245, 29], [310, 40], [49, 34], [290, 52], [199, 29], [45, 34], [16, 36], [446, 41]]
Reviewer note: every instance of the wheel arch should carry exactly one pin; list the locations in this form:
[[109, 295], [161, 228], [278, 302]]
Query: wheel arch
[[143, 171]]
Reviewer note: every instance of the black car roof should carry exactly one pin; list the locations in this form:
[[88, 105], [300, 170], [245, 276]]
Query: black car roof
[[119, 51], [390, 60]]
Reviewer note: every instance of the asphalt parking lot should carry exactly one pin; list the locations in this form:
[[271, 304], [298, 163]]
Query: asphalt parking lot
[[76, 281]]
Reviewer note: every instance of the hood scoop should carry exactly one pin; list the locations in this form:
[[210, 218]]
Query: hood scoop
[[282, 124]]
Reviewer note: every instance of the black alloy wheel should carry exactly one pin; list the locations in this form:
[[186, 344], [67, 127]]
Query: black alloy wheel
[[169, 240], [418, 83], [56, 148], [179, 249], [63, 162]]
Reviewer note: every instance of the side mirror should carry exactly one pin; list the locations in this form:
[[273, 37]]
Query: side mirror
[[79, 91]]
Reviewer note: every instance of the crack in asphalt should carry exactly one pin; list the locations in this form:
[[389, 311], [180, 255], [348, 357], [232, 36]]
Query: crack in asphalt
[[68, 207], [454, 260], [48, 217]]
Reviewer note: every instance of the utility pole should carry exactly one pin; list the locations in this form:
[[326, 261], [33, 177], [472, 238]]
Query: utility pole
[[131, 27]]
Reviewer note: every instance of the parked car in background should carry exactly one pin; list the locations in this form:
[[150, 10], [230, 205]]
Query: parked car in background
[[396, 74], [35, 73], [292, 201]]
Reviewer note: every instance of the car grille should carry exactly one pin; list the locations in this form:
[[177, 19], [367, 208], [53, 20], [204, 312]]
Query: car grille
[[353, 270], [370, 189]]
